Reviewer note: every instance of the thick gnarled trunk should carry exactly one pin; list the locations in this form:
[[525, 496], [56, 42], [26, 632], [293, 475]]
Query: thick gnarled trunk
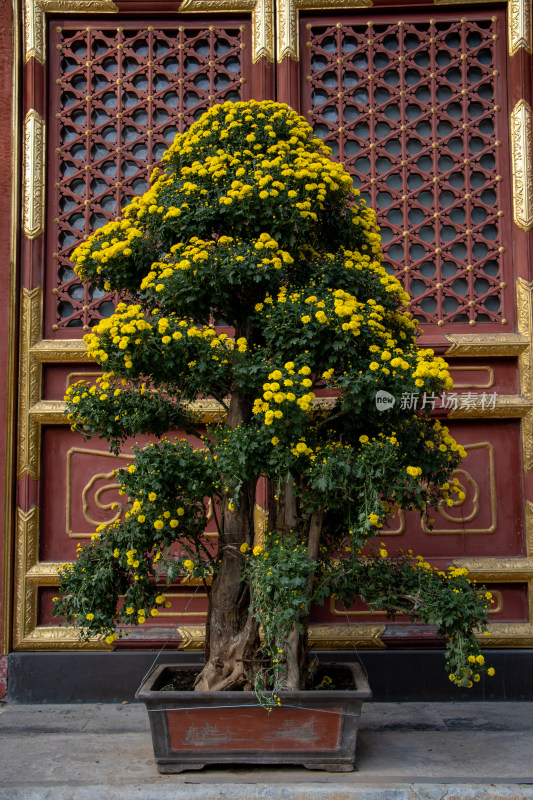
[[284, 516], [232, 633], [297, 641]]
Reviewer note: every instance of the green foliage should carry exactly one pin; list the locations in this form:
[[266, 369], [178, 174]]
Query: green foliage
[[279, 572], [410, 586], [249, 225]]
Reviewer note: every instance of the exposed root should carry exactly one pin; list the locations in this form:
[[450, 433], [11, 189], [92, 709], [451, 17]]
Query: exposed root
[[226, 669]]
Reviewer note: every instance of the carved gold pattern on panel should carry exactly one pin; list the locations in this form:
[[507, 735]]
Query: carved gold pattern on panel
[[26, 554], [29, 575], [34, 32], [522, 164], [11, 271], [498, 570], [510, 634], [49, 412], [469, 345], [287, 18], [55, 637], [529, 529], [35, 20], [260, 524], [321, 637], [525, 327], [507, 570], [461, 2], [52, 412], [33, 174], [470, 487], [89, 496], [512, 406], [519, 24], [29, 383], [49, 350]]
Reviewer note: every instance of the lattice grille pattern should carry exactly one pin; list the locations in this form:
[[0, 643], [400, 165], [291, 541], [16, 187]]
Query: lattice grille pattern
[[122, 96], [412, 109]]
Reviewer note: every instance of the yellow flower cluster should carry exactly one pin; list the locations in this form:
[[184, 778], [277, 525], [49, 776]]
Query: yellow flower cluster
[[105, 388], [302, 448], [431, 366], [122, 329], [264, 252], [113, 239], [284, 387], [448, 443]]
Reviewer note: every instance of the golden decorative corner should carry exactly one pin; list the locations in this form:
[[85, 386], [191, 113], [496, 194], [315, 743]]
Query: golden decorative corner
[[29, 383], [321, 637], [35, 20], [524, 305], [34, 32], [509, 634], [263, 31], [26, 555], [262, 20], [207, 410], [192, 637], [33, 174], [519, 24], [260, 525], [49, 350], [52, 412], [346, 637], [29, 575], [77, 6], [287, 19], [498, 570], [529, 529], [522, 164], [507, 406], [469, 345], [461, 2], [507, 570]]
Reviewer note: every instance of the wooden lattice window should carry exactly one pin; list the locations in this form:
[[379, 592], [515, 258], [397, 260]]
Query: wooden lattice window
[[416, 111], [122, 95]]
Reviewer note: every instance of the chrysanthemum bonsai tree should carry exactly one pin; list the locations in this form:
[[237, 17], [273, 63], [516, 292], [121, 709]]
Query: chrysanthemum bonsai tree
[[250, 225]]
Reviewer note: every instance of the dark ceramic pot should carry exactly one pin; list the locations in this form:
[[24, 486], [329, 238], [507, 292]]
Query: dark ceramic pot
[[316, 729]]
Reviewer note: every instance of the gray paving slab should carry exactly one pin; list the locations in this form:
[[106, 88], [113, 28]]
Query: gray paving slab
[[406, 751]]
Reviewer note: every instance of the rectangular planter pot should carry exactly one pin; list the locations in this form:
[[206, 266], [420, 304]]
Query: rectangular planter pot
[[316, 728]]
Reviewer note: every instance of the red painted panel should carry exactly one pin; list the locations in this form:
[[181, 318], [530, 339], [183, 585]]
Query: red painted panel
[[76, 489], [510, 605], [292, 728]]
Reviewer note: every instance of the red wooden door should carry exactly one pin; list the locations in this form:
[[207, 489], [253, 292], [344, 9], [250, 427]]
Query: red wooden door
[[431, 115], [424, 109]]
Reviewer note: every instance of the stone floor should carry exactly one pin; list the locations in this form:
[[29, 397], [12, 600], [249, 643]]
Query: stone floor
[[406, 751]]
